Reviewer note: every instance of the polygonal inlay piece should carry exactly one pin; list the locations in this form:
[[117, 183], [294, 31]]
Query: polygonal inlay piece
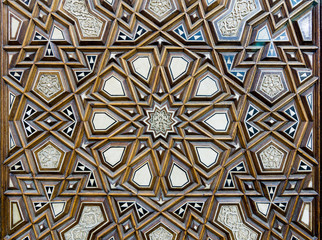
[[271, 84], [89, 25], [113, 87], [263, 208], [14, 27], [207, 156], [178, 66], [305, 216], [271, 157], [113, 155], [16, 216], [161, 234], [218, 121], [231, 24], [142, 66], [58, 208], [91, 217], [160, 121], [102, 121], [48, 85], [143, 176], [178, 177], [49, 157], [306, 26], [229, 216], [207, 87], [57, 34], [160, 7]]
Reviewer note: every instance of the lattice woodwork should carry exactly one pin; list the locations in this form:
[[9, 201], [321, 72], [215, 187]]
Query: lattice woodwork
[[160, 119]]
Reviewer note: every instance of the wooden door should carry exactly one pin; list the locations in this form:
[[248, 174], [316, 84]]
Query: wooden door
[[160, 119]]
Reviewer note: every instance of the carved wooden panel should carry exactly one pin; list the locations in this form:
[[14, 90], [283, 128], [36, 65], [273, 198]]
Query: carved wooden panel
[[160, 119]]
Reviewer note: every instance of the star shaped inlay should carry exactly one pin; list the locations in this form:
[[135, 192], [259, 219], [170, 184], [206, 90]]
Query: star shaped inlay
[[160, 121]]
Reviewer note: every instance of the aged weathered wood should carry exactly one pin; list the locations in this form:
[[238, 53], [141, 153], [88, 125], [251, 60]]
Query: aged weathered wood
[[160, 119]]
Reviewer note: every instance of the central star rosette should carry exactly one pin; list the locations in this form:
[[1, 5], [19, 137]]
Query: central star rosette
[[160, 120]]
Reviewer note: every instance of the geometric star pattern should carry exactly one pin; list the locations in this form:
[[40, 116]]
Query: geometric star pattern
[[160, 119]]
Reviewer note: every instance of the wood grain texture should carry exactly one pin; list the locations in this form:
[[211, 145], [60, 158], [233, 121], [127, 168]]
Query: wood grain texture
[[160, 119]]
